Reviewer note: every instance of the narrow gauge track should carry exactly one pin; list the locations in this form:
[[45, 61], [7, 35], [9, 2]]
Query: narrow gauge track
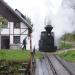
[[56, 66], [51, 66]]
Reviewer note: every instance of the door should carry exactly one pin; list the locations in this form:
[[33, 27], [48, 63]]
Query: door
[[5, 42]]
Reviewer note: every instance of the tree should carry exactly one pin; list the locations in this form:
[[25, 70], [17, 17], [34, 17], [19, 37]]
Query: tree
[[3, 22]]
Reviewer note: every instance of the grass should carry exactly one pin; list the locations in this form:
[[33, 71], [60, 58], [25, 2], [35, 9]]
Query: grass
[[38, 55], [14, 59], [17, 55], [14, 55], [68, 55], [64, 45]]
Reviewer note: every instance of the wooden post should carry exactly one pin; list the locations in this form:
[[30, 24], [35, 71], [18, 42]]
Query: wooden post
[[30, 43], [30, 51]]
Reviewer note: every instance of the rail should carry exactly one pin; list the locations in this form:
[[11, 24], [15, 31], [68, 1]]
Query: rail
[[53, 60], [63, 65], [51, 65]]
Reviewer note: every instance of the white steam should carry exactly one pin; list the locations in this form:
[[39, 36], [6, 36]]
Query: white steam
[[61, 14], [64, 20]]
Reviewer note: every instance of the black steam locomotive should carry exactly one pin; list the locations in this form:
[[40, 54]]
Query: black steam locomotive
[[46, 42]]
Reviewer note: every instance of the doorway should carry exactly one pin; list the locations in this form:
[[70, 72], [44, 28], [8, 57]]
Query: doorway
[[5, 42]]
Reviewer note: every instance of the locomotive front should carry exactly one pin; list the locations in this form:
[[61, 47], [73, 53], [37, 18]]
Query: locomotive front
[[46, 42]]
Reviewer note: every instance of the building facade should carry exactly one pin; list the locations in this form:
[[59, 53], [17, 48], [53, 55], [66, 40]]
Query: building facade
[[13, 34]]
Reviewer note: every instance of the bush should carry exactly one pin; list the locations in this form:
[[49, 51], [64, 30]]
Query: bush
[[68, 55], [65, 45]]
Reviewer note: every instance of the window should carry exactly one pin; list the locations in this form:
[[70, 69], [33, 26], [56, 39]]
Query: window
[[17, 39], [16, 24]]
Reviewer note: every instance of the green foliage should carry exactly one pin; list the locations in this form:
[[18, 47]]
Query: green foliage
[[14, 55], [3, 21], [18, 55], [65, 45], [67, 40], [38, 55], [68, 37], [68, 55]]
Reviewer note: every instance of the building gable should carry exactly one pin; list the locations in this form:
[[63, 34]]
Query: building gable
[[11, 15], [7, 13]]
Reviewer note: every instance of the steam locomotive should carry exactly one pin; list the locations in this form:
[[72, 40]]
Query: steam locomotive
[[46, 42]]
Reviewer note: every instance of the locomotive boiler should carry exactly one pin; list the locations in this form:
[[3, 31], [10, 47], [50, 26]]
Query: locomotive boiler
[[46, 42]]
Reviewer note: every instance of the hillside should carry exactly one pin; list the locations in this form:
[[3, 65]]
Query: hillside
[[67, 41], [68, 37]]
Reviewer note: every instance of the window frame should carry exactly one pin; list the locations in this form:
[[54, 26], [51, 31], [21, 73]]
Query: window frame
[[16, 42]]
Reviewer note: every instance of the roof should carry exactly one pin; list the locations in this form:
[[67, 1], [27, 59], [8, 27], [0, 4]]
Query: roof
[[17, 13]]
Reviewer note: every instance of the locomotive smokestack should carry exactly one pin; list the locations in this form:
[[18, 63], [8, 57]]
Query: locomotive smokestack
[[48, 28]]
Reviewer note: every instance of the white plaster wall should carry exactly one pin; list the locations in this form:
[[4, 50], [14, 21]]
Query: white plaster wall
[[23, 25], [11, 27], [5, 31], [24, 31], [15, 31], [11, 32], [22, 38]]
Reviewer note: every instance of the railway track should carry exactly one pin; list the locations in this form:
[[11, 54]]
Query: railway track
[[56, 67]]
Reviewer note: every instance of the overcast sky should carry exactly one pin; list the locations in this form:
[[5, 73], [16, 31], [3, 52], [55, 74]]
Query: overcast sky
[[42, 12]]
